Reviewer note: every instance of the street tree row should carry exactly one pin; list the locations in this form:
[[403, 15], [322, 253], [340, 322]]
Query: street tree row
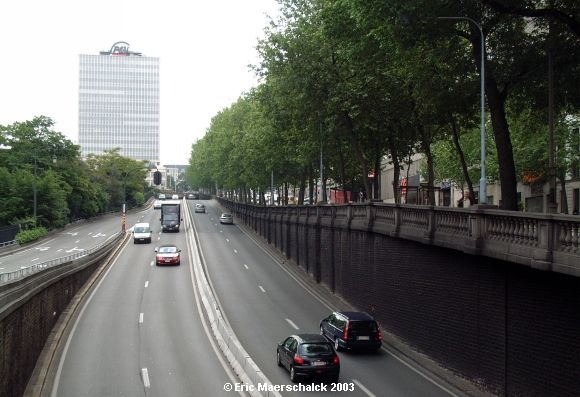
[[353, 81], [40, 168]]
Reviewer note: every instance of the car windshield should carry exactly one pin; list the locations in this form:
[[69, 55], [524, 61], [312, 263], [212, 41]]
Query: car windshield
[[168, 250], [141, 229], [170, 217], [363, 326], [226, 216], [312, 349]]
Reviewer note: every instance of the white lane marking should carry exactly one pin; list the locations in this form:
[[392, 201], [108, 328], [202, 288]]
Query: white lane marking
[[141, 318], [227, 240], [235, 251], [146, 284], [58, 250], [76, 242], [158, 238], [72, 234], [151, 264], [22, 267], [42, 248], [246, 266], [1, 268], [221, 231], [261, 288], [292, 324], [363, 388], [99, 235], [90, 233], [35, 259], [74, 249], [331, 308], [145, 376]]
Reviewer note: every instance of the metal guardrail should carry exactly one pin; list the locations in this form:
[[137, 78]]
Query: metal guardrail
[[27, 271], [7, 243]]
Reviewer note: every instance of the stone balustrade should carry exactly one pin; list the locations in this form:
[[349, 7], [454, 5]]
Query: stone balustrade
[[543, 241]]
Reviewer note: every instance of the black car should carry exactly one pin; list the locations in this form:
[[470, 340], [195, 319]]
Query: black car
[[352, 330], [307, 355]]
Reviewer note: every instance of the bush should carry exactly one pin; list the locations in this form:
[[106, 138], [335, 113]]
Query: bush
[[27, 236]]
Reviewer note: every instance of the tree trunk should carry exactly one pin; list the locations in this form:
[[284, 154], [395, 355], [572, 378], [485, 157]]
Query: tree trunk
[[564, 203], [455, 136], [377, 178], [496, 103], [426, 146], [396, 171], [359, 155], [302, 189]]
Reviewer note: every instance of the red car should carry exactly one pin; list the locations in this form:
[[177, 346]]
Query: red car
[[167, 255]]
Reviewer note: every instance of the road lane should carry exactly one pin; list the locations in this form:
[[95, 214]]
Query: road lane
[[74, 239], [237, 267], [140, 333]]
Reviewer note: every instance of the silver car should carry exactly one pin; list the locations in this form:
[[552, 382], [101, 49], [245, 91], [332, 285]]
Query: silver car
[[200, 208], [227, 219]]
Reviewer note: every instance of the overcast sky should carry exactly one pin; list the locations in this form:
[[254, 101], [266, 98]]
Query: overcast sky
[[204, 46]]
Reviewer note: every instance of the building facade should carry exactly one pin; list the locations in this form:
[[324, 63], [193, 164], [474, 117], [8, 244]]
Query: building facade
[[119, 103]]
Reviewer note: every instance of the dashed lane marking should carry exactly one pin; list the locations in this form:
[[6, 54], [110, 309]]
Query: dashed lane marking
[[363, 388], [292, 324], [261, 288], [146, 284], [145, 376]]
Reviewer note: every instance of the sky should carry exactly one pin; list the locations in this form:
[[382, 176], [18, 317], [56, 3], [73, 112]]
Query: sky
[[205, 49]]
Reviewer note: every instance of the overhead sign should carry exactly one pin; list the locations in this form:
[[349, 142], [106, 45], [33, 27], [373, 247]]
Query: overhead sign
[[120, 48]]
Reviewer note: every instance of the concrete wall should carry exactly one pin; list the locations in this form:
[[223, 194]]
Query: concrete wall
[[29, 308], [513, 329]]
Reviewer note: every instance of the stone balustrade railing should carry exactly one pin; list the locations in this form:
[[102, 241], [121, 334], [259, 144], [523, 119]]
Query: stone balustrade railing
[[543, 241]]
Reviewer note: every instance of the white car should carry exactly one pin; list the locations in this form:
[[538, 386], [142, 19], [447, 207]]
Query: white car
[[157, 204], [175, 197], [227, 219], [200, 208], [141, 233]]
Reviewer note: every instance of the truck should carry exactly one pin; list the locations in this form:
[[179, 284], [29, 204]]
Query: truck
[[170, 215]]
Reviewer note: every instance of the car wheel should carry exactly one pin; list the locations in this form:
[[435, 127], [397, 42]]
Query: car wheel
[[337, 345], [278, 359], [293, 374]]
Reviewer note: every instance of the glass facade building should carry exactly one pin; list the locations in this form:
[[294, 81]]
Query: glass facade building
[[119, 105]]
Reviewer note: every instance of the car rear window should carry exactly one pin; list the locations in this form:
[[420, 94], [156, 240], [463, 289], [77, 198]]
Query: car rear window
[[363, 326], [309, 349], [168, 249]]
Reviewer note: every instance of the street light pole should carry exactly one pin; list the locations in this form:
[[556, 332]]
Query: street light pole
[[482, 180]]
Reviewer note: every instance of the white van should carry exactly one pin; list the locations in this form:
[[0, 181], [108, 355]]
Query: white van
[[141, 233]]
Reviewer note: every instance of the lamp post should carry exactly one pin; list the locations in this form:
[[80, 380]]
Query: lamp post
[[482, 180]]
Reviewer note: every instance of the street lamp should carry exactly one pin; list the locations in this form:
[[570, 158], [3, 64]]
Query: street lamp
[[482, 180]]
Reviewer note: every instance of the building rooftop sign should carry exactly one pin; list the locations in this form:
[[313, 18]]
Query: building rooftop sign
[[120, 48]]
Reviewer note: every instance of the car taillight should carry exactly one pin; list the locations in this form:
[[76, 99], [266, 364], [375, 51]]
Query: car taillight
[[335, 360], [379, 333], [298, 360], [345, 334], [158, 257]]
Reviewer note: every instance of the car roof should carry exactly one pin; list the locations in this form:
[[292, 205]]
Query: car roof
[[357, 316], [310, 338]]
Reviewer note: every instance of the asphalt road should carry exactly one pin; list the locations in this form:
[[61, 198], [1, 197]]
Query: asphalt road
[[72, 240], [140, 332], [264, 304]]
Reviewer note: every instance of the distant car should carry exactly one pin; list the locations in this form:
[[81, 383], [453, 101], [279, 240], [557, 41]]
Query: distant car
[[190, 196], [227, 219], [175, 197], [308, 355], [157, 204], [352, 330], [200, 208], [141, 233], [162, 196], [167, 255]]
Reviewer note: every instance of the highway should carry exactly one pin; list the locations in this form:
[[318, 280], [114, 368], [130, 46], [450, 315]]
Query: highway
[[140, 331], [264, 304], [74, 239]]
